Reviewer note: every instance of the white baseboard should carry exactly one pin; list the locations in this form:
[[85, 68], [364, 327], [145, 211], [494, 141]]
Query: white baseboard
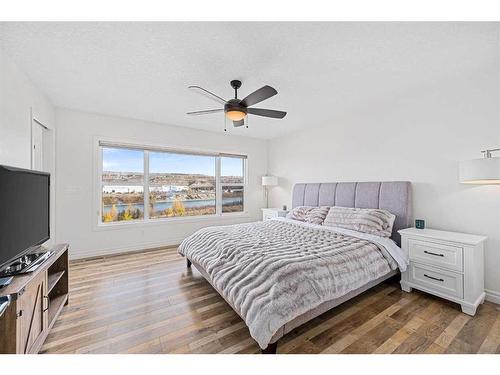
[[492, 296], [73, 255]]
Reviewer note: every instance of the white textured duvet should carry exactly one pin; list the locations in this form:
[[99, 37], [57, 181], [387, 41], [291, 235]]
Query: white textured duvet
[[273, 271]]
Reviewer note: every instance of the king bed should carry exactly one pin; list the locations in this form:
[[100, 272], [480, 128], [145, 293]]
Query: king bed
[[281, 273]]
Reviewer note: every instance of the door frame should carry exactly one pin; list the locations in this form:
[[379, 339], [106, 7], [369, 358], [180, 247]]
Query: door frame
[[49, 164], [35, 122]]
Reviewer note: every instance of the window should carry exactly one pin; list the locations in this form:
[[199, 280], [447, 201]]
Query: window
[[169, 183], [232, 178], [181, 185], [122, 184]]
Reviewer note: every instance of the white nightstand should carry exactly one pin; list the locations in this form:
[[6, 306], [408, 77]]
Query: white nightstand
[[447, 264], [269, 213]]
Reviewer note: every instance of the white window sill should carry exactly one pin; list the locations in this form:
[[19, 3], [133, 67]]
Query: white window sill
[[172, 220]]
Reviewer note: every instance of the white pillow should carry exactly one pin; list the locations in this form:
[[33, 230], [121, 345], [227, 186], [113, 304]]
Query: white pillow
[[366, 220], [309, 214]]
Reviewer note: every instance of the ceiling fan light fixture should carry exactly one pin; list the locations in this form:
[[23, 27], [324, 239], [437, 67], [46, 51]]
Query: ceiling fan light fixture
[[237, 109], [235, 115]]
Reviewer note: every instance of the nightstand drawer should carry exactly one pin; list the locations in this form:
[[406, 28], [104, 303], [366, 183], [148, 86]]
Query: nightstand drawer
[[435, 254], [446, 282]]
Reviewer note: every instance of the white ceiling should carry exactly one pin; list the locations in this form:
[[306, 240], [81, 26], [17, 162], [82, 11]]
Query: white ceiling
[[321, 70]]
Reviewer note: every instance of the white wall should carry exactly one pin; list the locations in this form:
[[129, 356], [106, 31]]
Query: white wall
[[20, 101], [76, 207], [18, 97], [419, 136]]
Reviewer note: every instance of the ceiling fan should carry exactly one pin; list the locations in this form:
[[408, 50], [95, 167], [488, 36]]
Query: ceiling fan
[[237, 109]]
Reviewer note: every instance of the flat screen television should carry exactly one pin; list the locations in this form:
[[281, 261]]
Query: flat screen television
[[24, 212]]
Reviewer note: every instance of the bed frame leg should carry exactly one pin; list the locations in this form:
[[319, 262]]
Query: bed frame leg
[[188, 263], [271, 348]]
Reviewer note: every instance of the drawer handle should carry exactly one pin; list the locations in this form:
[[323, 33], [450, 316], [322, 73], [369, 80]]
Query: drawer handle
[[431, 253], [433, 278]]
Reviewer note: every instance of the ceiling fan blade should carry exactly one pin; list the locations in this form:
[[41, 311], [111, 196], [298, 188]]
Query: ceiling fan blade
[[266, 112], [208, 94], [208, 111], [259, 95], [238, 123]]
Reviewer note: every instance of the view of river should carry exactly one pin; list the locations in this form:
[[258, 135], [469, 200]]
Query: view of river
[[161, 206]]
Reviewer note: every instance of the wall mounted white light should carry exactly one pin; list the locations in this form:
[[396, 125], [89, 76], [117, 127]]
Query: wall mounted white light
[[483, 171], [266, 182]]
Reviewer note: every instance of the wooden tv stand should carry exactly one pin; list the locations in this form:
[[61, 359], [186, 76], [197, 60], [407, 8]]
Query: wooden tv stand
[[37, 299]]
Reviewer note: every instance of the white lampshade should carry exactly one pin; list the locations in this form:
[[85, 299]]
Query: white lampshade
[[480, 171], [269, 180]]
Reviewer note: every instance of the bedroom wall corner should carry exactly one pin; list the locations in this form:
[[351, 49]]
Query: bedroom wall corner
[[19, 98]]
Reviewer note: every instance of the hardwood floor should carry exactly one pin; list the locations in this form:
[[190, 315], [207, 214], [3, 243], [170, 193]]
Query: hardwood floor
[[150, 303]]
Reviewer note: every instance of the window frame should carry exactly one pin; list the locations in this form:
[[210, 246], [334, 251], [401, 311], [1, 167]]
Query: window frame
[[101, 143]]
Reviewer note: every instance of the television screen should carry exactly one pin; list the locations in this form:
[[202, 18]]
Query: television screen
[[24, 206]]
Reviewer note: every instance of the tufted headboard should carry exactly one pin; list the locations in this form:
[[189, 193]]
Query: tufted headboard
[[393, 196]]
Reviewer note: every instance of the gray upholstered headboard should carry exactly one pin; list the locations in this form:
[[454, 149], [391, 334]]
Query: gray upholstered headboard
[[393, 196]]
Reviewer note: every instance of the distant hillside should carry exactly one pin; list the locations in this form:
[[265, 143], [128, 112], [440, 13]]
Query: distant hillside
[[179, 179]]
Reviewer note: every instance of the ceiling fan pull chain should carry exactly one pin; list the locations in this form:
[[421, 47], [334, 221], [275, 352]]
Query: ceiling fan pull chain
[[246, 122], [225, 124]]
